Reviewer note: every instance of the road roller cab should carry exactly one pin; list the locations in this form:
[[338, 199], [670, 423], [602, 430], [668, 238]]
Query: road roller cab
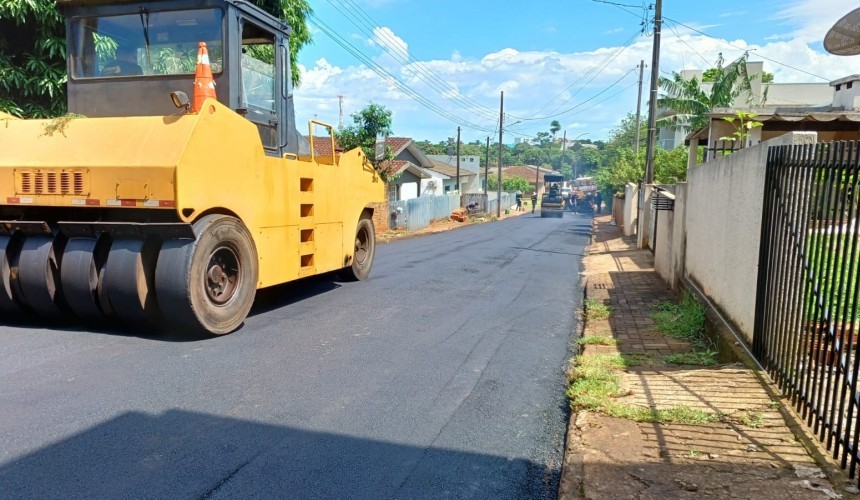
[[135, 208]]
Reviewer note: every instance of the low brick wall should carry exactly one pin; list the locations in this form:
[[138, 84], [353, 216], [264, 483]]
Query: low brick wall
[[381, 216]]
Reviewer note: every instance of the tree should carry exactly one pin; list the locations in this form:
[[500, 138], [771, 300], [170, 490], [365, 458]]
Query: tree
[[554, 127], [509, 184], [32, 59], [33, 53], [710, 75], [372, 122], [689, 102]]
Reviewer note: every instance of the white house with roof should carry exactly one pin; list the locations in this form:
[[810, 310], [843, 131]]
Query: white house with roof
[[778, 95], [471, 175]]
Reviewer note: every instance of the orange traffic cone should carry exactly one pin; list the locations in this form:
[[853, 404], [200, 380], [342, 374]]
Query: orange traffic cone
[[204, 85]]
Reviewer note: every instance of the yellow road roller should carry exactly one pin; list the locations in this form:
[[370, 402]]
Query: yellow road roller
[[139, 208]]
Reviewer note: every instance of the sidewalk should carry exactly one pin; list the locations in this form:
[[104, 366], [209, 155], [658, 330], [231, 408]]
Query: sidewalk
[[702, 431]]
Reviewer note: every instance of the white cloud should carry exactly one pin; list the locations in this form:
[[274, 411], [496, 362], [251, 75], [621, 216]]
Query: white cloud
[[613, 31], [469, 87], [391, 43], [812, 18]]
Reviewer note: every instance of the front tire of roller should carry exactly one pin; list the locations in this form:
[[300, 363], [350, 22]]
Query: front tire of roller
[[364, 251], [208, 285]]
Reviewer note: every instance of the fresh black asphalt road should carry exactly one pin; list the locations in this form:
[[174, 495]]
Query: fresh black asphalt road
[[442, 375]]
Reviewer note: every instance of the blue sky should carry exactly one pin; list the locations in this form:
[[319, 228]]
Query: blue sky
[[444, 63]]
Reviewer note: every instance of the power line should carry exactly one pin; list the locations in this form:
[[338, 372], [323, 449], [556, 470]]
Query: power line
[[598, 69], [382, 72], [746, 50], [364, 23]]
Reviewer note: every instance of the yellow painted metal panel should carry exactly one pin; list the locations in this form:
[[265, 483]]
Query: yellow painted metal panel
[[209, 162]]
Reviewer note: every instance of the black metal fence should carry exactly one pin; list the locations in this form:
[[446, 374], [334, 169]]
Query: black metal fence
[[806, 301], [716, 150]]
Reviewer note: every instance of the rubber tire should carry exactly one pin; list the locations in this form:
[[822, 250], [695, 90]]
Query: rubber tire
[[39, 274], [9, 247], [83, 261], [129, 281], [181, 277], [360, 268]]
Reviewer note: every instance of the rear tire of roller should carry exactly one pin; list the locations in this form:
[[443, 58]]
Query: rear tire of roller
[[83, 261], [9, 248], [128, 276], [39, 274]]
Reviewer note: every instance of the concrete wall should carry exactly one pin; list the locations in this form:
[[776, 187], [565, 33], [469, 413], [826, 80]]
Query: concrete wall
[[670, 245], [723, 208], [631, 209]]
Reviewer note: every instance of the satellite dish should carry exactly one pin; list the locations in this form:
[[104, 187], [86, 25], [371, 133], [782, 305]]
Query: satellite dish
[[843, 39]]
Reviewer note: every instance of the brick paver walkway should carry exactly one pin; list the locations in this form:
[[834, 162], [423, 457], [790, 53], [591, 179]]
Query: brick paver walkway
[[750, 452]]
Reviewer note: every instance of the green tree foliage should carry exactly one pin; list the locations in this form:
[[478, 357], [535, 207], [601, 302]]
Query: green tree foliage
[[554, 127], [372, 122], [510, 184], [710, 75], [689, 102], [670, 166], [33, 53], [32, 59]]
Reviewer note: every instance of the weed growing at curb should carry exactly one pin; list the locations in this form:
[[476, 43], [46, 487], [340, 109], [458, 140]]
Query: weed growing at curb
[[696, 358], [597, 340], [594, 309], [595, 385]]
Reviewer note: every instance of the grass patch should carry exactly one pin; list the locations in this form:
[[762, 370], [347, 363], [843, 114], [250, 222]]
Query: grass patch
[[596, 385], [594, 309], [696, 358], [597, 340], [685, 321], [752, 419]]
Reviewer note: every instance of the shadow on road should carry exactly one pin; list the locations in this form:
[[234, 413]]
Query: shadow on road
[[182, 454]]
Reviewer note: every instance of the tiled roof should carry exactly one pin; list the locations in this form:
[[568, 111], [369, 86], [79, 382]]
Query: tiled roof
[[397, 144], [525, 171], [322, 144], [451, 171]]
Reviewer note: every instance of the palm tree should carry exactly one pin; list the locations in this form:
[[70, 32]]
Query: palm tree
[[689, 102], [554, 127]]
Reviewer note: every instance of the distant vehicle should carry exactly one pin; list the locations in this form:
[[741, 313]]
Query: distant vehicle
[[552, 204]]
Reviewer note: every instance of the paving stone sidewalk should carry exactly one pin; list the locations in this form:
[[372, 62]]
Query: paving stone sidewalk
[[750, 452]]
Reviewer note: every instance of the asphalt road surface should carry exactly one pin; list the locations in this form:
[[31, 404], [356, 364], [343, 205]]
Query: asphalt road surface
[[442, 375]]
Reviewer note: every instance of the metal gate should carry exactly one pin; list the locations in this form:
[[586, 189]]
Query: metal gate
[[806, 299]]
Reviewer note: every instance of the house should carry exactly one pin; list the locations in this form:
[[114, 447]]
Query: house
[[417, 177], [839, 120], [412, 168], [778, 95], [467, 178], [471, 175]]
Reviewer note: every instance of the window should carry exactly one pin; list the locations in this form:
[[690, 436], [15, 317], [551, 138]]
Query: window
[[145, 43], [259, 82], [258, 68]]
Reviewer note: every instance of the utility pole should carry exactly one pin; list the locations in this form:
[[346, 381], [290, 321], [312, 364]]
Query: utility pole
[[501, 127], [487, 167], [638, 109], [564, 149], [652, 104], [458, 160], [340, 118]]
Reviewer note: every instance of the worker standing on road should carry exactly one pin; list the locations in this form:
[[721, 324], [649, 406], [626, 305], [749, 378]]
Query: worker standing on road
[[534, 201], [519, 201]]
